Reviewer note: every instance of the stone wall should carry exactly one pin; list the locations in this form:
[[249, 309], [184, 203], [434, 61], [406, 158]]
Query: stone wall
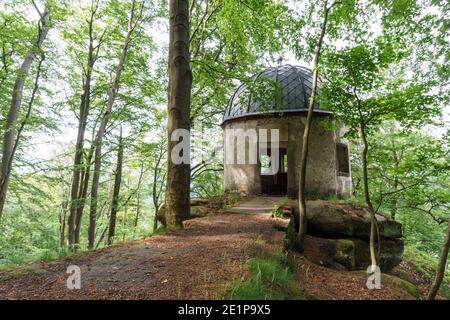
[[322, 174]]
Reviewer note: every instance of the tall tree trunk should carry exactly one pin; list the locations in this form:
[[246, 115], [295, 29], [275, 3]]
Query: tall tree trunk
[[112, 93], [77, 162], [306, 133], [84, 183], [10, 138], [94, 199], [138, 200], [138, 213], [102, 235], [62, 222], [155, 221], [82, 123], [124, 222], [373, 256], [28, 113], [156, 192], [442, 266], [177, 206], [116, 193]]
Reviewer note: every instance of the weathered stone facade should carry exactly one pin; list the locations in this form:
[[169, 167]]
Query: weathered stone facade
[[323, 176], [328, 167]]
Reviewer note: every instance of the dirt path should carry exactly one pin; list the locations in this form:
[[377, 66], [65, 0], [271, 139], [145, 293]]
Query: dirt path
[[194, 263], [257, 205], [198, 262]]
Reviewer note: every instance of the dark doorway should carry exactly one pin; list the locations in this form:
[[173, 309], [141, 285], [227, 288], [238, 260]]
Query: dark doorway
[[343, 160], [274, 182]]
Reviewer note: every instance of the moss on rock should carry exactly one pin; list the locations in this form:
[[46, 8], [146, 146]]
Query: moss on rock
[[406, 285]]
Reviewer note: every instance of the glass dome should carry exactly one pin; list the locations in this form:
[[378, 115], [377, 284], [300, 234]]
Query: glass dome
[[293, 89]]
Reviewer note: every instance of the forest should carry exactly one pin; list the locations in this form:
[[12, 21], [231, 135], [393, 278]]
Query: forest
[[91, 92]]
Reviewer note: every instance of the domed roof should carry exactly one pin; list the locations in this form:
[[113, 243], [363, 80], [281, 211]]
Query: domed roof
[[293, 92]]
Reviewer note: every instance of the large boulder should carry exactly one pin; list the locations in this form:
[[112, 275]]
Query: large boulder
[[332, 220], [338, 236], [391, 254], [333, 253], [351, 254]]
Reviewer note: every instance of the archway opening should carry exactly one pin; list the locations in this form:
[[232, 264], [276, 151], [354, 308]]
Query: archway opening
[[274, 175]]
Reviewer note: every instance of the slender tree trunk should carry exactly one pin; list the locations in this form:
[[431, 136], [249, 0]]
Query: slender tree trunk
[[138, 200], [115, 200], [155, 221], [77, 163], [156, 192], [124, 222], [94, 199], [441, 268], [394, 201], [138, 210], [82, 123], [180, 82], [62, 223], [102, 235], [373, 256], [84, 183], [112, 93], [9, 137], [28, 113], [306, 133]]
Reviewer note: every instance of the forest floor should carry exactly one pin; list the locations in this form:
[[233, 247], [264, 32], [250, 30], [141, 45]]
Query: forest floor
[[197, 262]]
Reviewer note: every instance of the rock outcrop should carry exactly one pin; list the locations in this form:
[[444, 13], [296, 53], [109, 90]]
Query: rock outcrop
[[338, 236]]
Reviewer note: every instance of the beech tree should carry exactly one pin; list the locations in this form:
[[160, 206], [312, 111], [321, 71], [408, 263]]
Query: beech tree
[[135, 15], [408, 181], [306, 133], [325, 20], [116, 192], [53, 90], [177, 204], [11, 135], [361, 95], [80, 175]]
